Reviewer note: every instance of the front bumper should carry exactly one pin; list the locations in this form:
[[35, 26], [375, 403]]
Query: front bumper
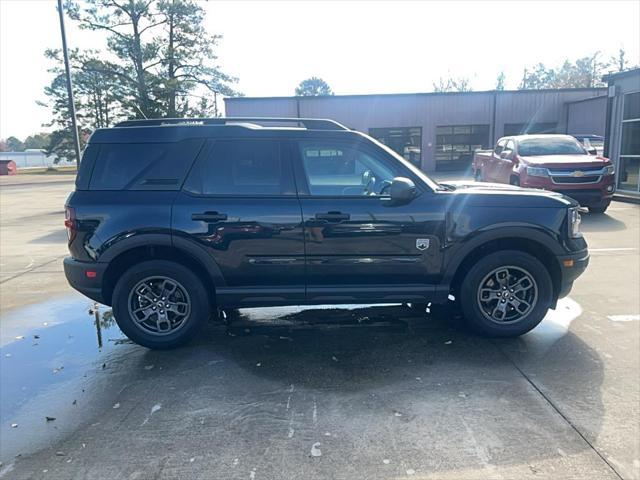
[[597, 194], [90, 286], [571, 267]]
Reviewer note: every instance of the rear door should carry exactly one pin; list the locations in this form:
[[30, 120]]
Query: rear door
[[239, 204], [358, 245]]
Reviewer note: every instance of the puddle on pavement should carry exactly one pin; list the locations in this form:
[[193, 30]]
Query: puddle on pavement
[[48, 364], [66, 359]]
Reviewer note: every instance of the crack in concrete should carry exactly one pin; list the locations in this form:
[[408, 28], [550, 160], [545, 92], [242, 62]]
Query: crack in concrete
[[30, 270], [559, 412]]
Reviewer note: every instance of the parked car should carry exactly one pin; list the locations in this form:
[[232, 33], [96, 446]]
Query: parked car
[[172, 220], [551, 162], [594, 144]]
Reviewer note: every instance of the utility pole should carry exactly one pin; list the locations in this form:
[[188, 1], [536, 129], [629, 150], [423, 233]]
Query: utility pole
[[72, 106]]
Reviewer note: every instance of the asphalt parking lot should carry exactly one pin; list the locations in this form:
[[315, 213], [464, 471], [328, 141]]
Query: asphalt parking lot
[[313, 393]]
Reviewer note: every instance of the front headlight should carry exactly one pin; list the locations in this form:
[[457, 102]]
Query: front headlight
[[609, 170], [537, 172], [573, 221]]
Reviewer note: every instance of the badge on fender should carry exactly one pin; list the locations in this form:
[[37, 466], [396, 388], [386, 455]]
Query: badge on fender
[[422, 243]]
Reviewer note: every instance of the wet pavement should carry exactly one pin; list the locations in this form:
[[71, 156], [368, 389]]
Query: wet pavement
[[349, 392], [368, 384]]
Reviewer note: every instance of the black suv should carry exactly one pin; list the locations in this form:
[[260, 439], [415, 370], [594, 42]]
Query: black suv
[[174, 219]]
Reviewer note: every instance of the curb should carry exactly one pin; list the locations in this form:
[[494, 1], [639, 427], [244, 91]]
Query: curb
[[627, 199]]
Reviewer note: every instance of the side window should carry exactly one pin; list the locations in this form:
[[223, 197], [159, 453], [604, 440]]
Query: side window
[[119, 163], [138, 166], [338, 169], [500, 146], [241, 167]]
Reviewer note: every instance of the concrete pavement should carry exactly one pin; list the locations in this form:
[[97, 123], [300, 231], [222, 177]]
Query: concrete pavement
[[315, 393]]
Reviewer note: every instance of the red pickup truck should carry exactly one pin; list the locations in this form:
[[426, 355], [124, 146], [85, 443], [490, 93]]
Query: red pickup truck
[[551, 162]]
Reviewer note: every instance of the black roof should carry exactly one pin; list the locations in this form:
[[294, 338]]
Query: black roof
[[177, 129]]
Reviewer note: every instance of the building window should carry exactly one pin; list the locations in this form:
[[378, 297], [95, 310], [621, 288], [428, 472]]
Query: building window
[[629, 168], [455, 145], [529, 128], [406, 141]]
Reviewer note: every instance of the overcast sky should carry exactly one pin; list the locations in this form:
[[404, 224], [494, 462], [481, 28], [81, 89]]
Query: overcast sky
[[357, 47]]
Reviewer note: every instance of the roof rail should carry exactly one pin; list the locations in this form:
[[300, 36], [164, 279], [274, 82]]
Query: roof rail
[[309, 123]]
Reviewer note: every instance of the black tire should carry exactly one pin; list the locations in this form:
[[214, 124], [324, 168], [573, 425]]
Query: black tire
[[196, 298], [514, 181], [599, 210], [478, 276], [478, 176]]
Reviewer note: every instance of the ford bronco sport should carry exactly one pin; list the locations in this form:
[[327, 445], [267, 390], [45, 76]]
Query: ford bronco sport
[[174, 219]]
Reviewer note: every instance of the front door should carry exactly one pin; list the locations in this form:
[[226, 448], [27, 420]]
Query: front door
[[491, 174], [358, 245], [506, 163], [239, 204]]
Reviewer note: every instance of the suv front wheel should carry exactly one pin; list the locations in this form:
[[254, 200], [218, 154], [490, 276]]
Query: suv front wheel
[[160, 304], [506, 294]]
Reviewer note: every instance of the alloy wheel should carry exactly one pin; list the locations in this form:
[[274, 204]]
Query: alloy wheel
[[159, 305], [507, 295]]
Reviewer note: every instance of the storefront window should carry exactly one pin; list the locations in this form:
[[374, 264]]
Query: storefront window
[[629, 167], [456, 144], [407, 141]]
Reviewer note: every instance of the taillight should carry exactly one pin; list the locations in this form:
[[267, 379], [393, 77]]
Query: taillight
[[70, 223]]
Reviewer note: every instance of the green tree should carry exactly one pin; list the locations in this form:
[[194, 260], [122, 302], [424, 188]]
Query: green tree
[[183, 57], [129, 25], [313, 87], [163, 55], [500, 81], [160, 62], [585, 72], [37, 141], [14, 144], [98, 97]]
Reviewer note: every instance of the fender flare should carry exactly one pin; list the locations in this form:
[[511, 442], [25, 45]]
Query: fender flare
[[188, 247], [459, 252]]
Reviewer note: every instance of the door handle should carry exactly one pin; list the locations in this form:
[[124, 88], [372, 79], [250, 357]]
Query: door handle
[[333, 216], [209, 217]]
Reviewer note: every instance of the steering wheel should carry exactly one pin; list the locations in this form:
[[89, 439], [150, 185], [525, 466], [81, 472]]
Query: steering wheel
[[385, 186]]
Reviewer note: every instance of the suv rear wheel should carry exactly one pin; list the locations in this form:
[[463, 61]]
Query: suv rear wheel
[[506, 294], [160, 304]]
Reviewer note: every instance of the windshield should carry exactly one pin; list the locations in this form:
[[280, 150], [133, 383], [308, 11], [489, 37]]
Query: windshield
[[550, 146], [594, 142]]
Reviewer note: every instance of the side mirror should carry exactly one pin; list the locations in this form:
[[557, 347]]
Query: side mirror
[[592, 151], [506, 154], [402, 191]]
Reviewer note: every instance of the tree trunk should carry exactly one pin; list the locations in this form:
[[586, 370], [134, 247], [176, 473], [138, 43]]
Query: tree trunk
[[143, 98]]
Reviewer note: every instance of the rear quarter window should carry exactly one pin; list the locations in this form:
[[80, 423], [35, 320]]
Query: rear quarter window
[[143, 166], [86, 166]]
